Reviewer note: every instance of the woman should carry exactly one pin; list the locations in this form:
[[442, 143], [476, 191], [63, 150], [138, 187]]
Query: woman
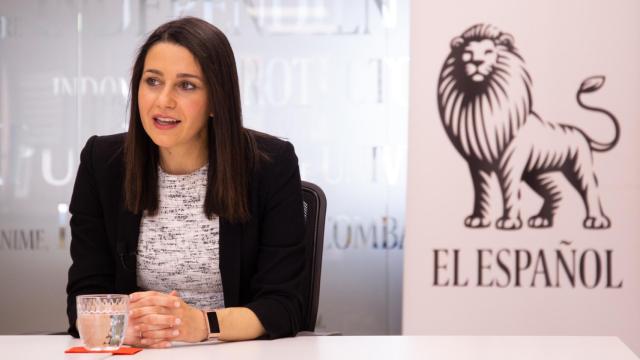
[[196, 217]]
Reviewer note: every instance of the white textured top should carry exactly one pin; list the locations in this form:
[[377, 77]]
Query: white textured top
[[178, 248]]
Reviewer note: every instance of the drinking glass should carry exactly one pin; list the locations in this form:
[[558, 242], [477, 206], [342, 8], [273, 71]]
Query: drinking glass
[[102, 320]]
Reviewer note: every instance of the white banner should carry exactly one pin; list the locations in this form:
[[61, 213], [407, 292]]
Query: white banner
[[524, 180]]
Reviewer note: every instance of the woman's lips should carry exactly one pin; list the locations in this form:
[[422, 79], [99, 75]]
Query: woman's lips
[[165, 123]]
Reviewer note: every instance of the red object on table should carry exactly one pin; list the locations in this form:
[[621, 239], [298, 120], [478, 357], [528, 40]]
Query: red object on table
[[121, 351]]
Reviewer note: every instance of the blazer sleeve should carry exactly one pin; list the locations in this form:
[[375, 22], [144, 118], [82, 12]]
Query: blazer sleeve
[[92, 270], [279, 302]]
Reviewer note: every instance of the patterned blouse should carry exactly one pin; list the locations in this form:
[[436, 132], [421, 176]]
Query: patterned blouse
[[178, 248]]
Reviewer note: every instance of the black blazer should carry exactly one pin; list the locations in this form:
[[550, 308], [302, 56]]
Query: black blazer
[[261, 261]]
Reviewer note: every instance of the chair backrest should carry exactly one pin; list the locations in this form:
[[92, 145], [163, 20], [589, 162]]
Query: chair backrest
[[315, 210]]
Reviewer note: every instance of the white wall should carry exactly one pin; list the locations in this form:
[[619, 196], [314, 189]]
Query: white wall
[[562, 43]]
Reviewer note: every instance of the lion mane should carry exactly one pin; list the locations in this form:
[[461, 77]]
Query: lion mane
[[482, 118]]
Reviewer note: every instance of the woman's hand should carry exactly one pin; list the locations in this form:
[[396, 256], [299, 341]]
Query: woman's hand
[[157, 318], [134, 335]]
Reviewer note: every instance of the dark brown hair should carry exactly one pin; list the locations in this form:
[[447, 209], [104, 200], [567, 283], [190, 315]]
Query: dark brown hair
[[231, 148]]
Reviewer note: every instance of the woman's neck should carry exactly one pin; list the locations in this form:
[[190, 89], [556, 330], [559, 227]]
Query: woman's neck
[[180, 161]]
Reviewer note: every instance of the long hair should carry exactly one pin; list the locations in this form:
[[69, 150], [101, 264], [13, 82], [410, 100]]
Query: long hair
[[232, 149]]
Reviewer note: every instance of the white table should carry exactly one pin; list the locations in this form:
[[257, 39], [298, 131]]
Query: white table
[[347, 347]]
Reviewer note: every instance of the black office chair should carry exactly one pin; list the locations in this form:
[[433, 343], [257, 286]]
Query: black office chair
[[315, 210]]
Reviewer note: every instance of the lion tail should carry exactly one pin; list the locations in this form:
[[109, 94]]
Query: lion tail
[[590, 85]]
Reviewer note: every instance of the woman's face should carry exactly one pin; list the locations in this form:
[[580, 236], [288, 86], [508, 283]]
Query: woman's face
[[172, 99]]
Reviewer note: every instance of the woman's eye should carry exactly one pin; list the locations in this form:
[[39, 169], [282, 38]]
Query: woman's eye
[[152, 81], [185, 85], [488, 51]]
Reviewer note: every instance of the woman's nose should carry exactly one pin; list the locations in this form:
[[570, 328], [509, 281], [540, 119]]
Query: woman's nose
[[166, 98]]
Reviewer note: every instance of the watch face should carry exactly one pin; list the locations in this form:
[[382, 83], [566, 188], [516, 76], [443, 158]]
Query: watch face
[[214, 327]]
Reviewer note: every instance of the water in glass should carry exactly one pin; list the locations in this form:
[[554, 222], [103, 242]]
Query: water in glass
[[102, 320]]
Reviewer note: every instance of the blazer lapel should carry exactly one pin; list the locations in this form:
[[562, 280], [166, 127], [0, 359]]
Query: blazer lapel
[[127, 248], [230, 261]]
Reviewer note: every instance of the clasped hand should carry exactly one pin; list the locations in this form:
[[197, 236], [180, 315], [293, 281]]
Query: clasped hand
[[156, 319]]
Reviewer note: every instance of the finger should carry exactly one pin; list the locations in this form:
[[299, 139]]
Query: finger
[[136, 296], [155, 319], [161, 345], [133, 338], [132, 335], [150, 342], [138, 342], [148, 327], [159, 300], [148, 310], [141, 295], [137, 304], [161, 334]]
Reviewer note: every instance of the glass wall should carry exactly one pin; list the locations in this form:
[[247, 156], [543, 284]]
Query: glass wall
[[330, 76]]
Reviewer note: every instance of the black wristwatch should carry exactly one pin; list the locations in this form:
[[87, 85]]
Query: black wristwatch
[[214, 326]]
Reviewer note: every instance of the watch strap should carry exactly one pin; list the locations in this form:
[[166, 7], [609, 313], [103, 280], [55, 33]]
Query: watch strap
[[214, 326]]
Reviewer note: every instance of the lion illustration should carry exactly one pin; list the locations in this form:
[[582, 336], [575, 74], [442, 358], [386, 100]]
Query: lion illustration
[[484, 99]]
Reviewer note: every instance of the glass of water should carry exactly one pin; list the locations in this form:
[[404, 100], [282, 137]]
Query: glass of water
[[102, 320]]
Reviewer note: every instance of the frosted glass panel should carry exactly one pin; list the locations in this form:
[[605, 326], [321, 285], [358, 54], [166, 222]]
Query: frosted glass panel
[[330, 76]]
